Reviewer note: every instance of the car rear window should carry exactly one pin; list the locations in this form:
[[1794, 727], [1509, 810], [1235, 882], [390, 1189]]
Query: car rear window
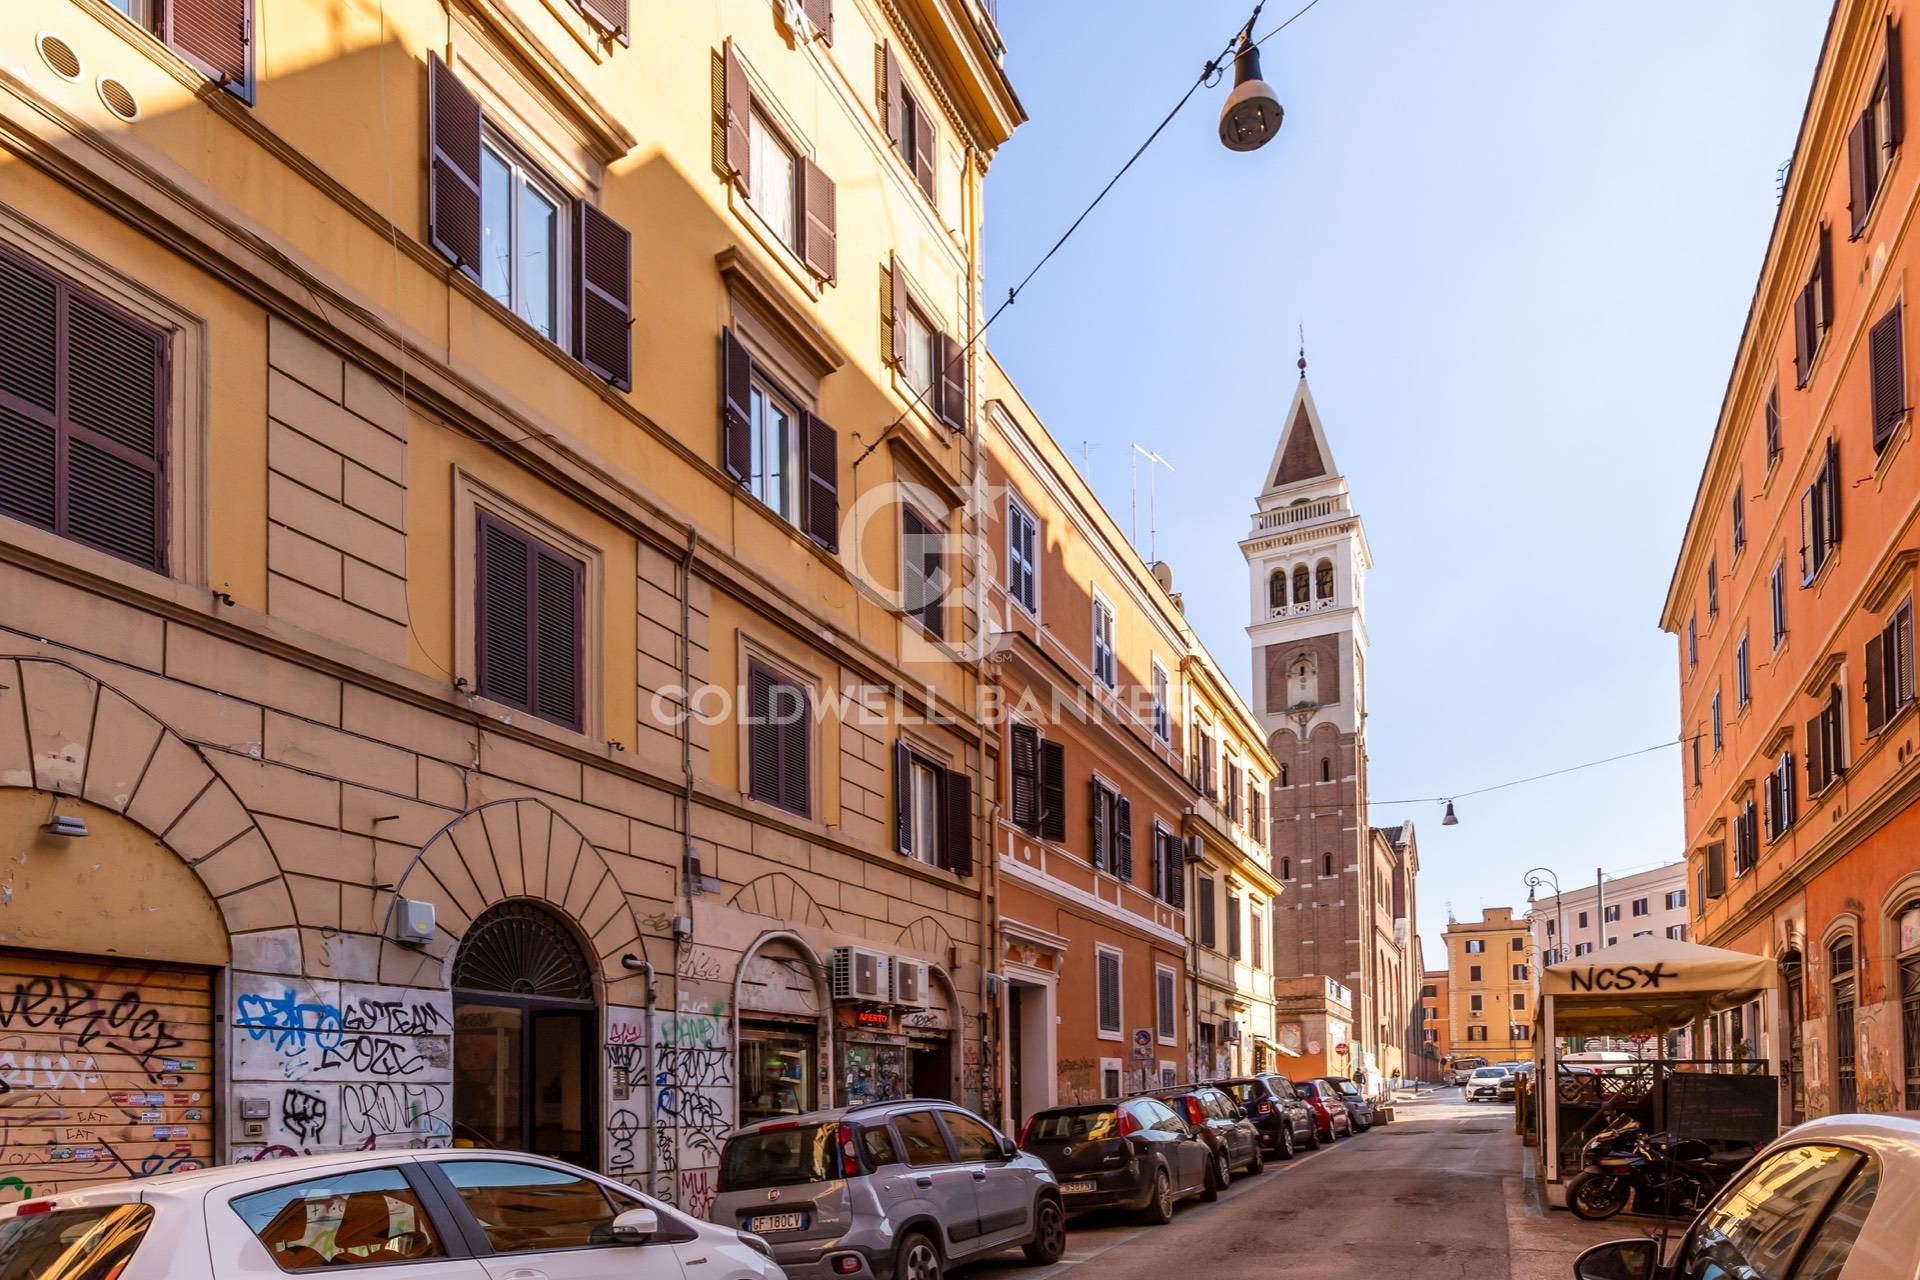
[[1347, 1087], [72, 1244], [1245, 1090], [777, 1157], [1082, 1124]]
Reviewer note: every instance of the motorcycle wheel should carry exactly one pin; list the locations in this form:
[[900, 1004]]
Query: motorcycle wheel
[[1593, 1195]]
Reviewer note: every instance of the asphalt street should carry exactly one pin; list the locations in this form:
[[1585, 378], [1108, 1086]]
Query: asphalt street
[[1437, 1194]]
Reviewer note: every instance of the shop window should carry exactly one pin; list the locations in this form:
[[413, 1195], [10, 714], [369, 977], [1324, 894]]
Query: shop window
[[346, 1218], [778, 1070]]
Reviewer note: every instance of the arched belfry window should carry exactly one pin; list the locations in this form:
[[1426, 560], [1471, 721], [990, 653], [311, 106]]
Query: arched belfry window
[[1300, 584], [1323, 580], [1326, 769], [1277, 589], [523, 1021]]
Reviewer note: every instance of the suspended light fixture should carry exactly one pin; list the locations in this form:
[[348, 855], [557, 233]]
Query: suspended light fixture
[[1449, 820], [1252, 114]]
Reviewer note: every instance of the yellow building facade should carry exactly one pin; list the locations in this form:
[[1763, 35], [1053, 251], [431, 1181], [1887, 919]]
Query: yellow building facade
[[1489, 987]]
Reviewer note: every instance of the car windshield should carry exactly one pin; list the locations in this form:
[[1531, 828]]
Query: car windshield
[[1347, 1087], [777, 1157], [1081, 1124], [72, 1244], [1489, 1073]]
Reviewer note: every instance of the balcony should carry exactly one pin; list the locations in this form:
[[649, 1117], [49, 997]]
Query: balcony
[[1299, 513]]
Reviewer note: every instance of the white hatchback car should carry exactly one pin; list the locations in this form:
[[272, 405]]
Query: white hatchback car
[[1833, 1199], [389, 1215]]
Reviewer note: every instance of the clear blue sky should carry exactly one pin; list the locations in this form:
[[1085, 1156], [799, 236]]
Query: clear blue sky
[[1522, 238]]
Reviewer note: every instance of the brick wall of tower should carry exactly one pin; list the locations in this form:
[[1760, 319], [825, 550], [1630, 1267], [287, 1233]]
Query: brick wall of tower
[[1319, 918]]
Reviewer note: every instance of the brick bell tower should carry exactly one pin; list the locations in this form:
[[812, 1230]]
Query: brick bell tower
[[1307, 560]]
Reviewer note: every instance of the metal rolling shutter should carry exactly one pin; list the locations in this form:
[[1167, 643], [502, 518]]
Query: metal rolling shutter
[[108, 1070]]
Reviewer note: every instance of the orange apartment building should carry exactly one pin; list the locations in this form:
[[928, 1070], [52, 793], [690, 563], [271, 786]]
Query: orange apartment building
[[1792, 599], [1436, 1025]]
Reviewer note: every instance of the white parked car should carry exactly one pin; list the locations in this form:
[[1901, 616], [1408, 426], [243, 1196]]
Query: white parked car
[[400, 1215], [1834, 1199], [1495, 1084]]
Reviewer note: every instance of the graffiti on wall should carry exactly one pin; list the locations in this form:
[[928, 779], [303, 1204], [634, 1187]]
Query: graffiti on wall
[[693, 1100]]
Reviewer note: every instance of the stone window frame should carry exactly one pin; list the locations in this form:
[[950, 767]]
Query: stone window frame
[[471, 496], [188, 401]]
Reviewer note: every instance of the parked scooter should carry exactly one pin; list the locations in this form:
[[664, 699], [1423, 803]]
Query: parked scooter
[[1658, 1173]]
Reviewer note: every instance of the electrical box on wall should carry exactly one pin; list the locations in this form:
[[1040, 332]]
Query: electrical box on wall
[[253, 1114], [909, 982], [412, 922]]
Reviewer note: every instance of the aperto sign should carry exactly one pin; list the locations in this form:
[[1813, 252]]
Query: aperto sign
[[1620, 977]]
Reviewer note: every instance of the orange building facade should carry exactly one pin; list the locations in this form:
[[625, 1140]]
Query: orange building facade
[[1436, 1026], [1792, 600]]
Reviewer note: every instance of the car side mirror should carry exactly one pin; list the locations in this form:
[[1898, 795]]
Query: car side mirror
[[1008, 1150], [636, 1226], [1619, 1260]]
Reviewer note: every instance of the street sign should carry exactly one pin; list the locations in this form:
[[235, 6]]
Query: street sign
[[1143, 1042], [1341, 1048]]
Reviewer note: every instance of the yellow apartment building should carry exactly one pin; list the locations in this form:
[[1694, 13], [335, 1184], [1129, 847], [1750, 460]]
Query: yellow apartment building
[[1489, 986]]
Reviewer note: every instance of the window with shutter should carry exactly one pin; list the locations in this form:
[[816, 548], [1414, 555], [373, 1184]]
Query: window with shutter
[[1888, 377], [1107, 989], [1204, 907], [820, 500], [1165, 1003], [923, 578], [1023, 770], [529, 635], [1233, 925], [1772, 424], [83, 416], [1053, 791], [956, 822], [951, 369], [612, 16], [1101, 820], [1023, 550], [779, 711], [216, 36], [1123, 838], [604, 307], [1716, 869], [736, 123], [820, 226], [1777, 593]]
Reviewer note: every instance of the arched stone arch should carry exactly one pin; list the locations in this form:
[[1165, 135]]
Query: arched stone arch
[[779, 896], [781, 974], [66, 731], [929, 937], [516, 847]]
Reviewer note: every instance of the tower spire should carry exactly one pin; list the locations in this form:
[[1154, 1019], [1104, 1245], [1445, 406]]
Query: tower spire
[[1303, 350]]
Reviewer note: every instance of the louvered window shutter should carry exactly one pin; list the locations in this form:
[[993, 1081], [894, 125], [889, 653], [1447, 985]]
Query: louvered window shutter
[[1789, 796], [1825, 317], [820, 463], [736, 407], [1209, 918], [1802, 334], [892, 103], [1023, 769], [1716, 869], [763, 742], [926, 145], [1896, 90], [819, 234], [1859, 197], [1888, 376], [217, 37], [897, 305], [820, 14], [1901, 667], [604, 310], [956, 822], [902, 798], [558, 586], [952, 375], [1109, 990], [791, 711], [1830, 495], [1123, 838], [528, 635], [1053, 791], [1101, 827], [83, 416], [1158, 884], [1816, 762], [1176, 873], [612, 15], [1807, 526], [739, 140], [1876, 684], [453, 187]]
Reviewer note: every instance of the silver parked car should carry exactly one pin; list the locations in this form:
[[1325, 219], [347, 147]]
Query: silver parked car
[[896, 1189]]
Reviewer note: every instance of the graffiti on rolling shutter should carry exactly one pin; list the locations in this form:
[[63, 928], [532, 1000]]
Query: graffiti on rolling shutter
[[106, 1072]]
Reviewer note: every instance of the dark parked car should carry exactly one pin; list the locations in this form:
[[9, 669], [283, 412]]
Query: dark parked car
[[1216, 1120], [1284, 1121], [1134, 1153], [1329, 1113], [1359, 1106]]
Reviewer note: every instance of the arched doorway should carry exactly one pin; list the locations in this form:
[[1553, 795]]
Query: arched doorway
[[523, 1040]]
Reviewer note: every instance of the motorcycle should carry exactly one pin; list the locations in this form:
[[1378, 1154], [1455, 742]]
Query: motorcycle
[[1623, 1164]]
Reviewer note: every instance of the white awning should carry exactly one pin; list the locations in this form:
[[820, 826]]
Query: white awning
[[1648, 985]]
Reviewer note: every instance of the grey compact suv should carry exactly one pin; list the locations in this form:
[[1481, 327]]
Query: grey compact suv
[[890, 1189]]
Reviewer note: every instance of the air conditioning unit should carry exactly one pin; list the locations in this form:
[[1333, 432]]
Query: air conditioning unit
[[1230, 1031], [909, 982], [859, 974]]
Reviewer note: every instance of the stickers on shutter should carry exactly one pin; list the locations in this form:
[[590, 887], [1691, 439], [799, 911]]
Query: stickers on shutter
[[107, 1071]]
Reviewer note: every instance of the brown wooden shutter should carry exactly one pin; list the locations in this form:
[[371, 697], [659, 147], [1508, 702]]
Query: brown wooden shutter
[[1816, 755], [1157, 885], [897, 304], [1876, 685], [1023, 769], [820, 14], [1859, 199], [1900, 669], [110, 467], [503, 646], [952, 382], [217, 37], [1716, 869], [1826, 284], [1099, 820], [926, 145], [763, 740], [819, 231], [739, 112], [1806, 533], [792, 712], [887, 80], [1176, 873], [902, 798], [956, 822], [1123, 838], [1802, 334], [558, 598], [612, 15], [453, 186], [604, 296], [1830, 495], [736, 407], [1053, 791], [820, 465], [29, 392], [1889, 376], [1209, 918], [1896, 90]]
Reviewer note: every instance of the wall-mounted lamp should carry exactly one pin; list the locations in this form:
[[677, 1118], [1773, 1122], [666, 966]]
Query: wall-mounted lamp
[[70, 826]]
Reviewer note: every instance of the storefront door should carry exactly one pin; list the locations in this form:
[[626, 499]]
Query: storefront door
[[524, 1063]]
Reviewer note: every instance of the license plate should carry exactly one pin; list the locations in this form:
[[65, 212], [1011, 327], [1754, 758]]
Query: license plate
[[776, 1222], [1076, 1188]]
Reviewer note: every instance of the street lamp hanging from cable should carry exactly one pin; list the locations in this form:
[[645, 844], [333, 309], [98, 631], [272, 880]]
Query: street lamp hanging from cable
[[1252, 114], [1449, 820]]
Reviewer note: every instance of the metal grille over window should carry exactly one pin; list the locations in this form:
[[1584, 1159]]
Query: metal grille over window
[[517, 948]]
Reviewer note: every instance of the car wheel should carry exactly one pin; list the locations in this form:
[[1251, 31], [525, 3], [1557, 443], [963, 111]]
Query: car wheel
[[918, 1258], [1159, 1210], [1257, 1161], [1313, 1136], [1049, 1233], [1219, 1178]]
